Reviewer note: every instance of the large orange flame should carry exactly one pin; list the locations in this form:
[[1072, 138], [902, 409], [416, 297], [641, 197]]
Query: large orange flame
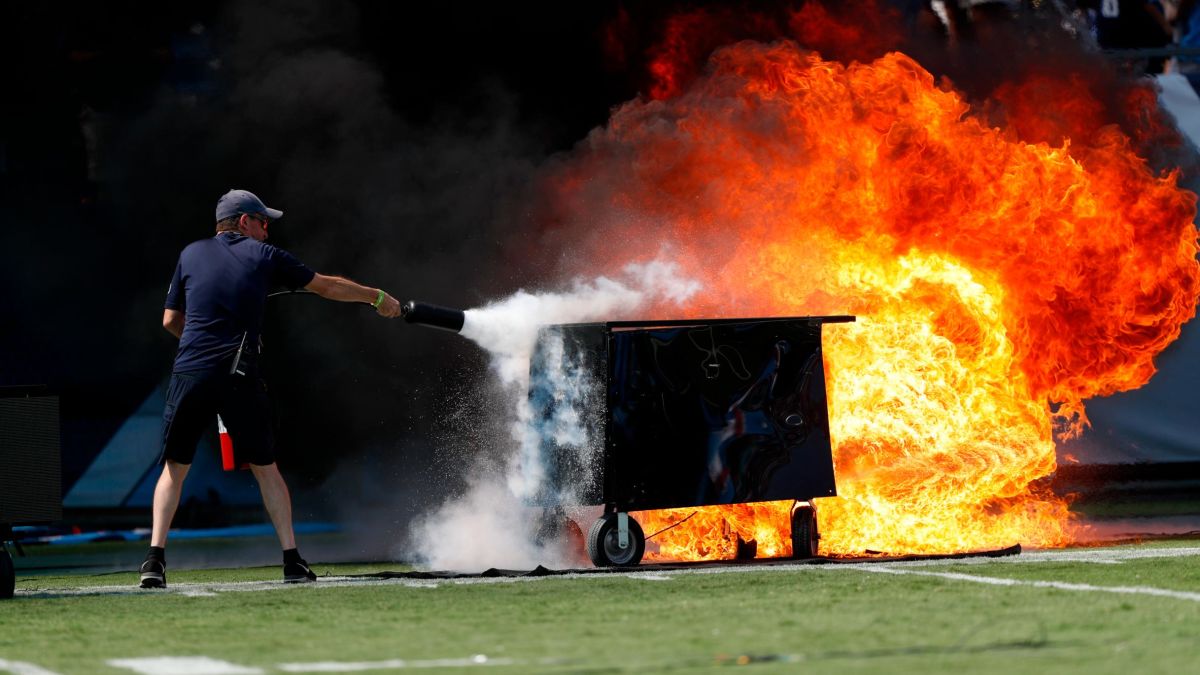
[[999, 283]]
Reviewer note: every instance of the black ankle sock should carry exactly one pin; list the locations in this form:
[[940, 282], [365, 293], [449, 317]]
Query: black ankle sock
[[157, 553], [291, 555]]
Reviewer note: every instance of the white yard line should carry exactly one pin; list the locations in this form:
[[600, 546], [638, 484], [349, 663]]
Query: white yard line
[[23, 668], [1060, 585], [208, 589], [182, 665], [204, 665], [1103, 556], [390, 664]]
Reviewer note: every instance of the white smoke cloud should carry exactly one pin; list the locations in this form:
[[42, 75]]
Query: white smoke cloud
[[508, 328], [485, 527], [492, 524]]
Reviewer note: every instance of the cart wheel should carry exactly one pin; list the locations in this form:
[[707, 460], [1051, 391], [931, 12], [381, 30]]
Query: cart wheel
[[603, 543], [8, 574], [804, 532]]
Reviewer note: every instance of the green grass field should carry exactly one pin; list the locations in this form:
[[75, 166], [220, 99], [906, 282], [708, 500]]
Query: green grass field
[[1098, 610]]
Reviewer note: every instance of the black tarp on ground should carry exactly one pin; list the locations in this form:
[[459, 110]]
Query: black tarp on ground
[[540, 571]]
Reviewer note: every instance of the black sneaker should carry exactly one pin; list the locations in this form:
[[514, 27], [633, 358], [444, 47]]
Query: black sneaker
[[297, 572], [154, 574]]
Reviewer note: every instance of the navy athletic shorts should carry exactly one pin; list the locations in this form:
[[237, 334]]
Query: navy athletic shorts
[[194, 399]]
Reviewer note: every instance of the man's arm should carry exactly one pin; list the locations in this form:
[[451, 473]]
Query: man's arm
[[173, 322], [344, 290]]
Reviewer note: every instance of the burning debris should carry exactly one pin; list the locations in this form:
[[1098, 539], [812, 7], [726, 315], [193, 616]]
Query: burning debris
[[999, 283], [1005, 264], [695, 413]]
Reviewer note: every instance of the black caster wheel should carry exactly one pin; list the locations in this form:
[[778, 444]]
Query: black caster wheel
[[604, 545], [804, 532]]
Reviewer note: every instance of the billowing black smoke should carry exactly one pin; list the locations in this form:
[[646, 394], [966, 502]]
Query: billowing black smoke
[[401, 145], [379, 184]]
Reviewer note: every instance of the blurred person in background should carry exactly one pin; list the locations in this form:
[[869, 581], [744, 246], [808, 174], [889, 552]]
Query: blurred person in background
[[1187, 27], [1132, 24]]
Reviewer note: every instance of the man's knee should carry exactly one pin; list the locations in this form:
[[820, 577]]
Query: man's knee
[[175, 471], [265, 471]]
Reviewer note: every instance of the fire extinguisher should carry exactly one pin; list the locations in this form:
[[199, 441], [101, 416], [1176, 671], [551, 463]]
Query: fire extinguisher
[[227, 461]]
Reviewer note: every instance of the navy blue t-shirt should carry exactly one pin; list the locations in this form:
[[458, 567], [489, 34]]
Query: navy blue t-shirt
[[221, 286]]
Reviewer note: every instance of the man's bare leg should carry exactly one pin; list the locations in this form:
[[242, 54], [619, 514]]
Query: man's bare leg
[[278, 501], [279, 505], [166, 500]]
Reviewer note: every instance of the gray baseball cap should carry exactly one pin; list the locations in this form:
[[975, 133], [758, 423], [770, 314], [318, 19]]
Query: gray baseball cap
[[237, 202]]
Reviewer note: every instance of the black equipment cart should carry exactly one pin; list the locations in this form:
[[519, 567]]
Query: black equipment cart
[[639, 415]]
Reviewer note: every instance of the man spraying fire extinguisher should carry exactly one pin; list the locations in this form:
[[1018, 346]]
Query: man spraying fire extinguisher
[[215, 307]]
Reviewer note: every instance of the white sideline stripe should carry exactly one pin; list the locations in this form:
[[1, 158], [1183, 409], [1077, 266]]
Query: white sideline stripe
[[183, 665], [1104, 556], [207, 589], [1060, 585], [23, 668], [392, 664]]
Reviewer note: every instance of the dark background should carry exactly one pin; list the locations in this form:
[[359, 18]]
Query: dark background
[[399, 142], [405, 143]]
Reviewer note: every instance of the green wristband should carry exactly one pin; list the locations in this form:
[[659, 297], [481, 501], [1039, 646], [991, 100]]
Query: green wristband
[[379, 299]]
